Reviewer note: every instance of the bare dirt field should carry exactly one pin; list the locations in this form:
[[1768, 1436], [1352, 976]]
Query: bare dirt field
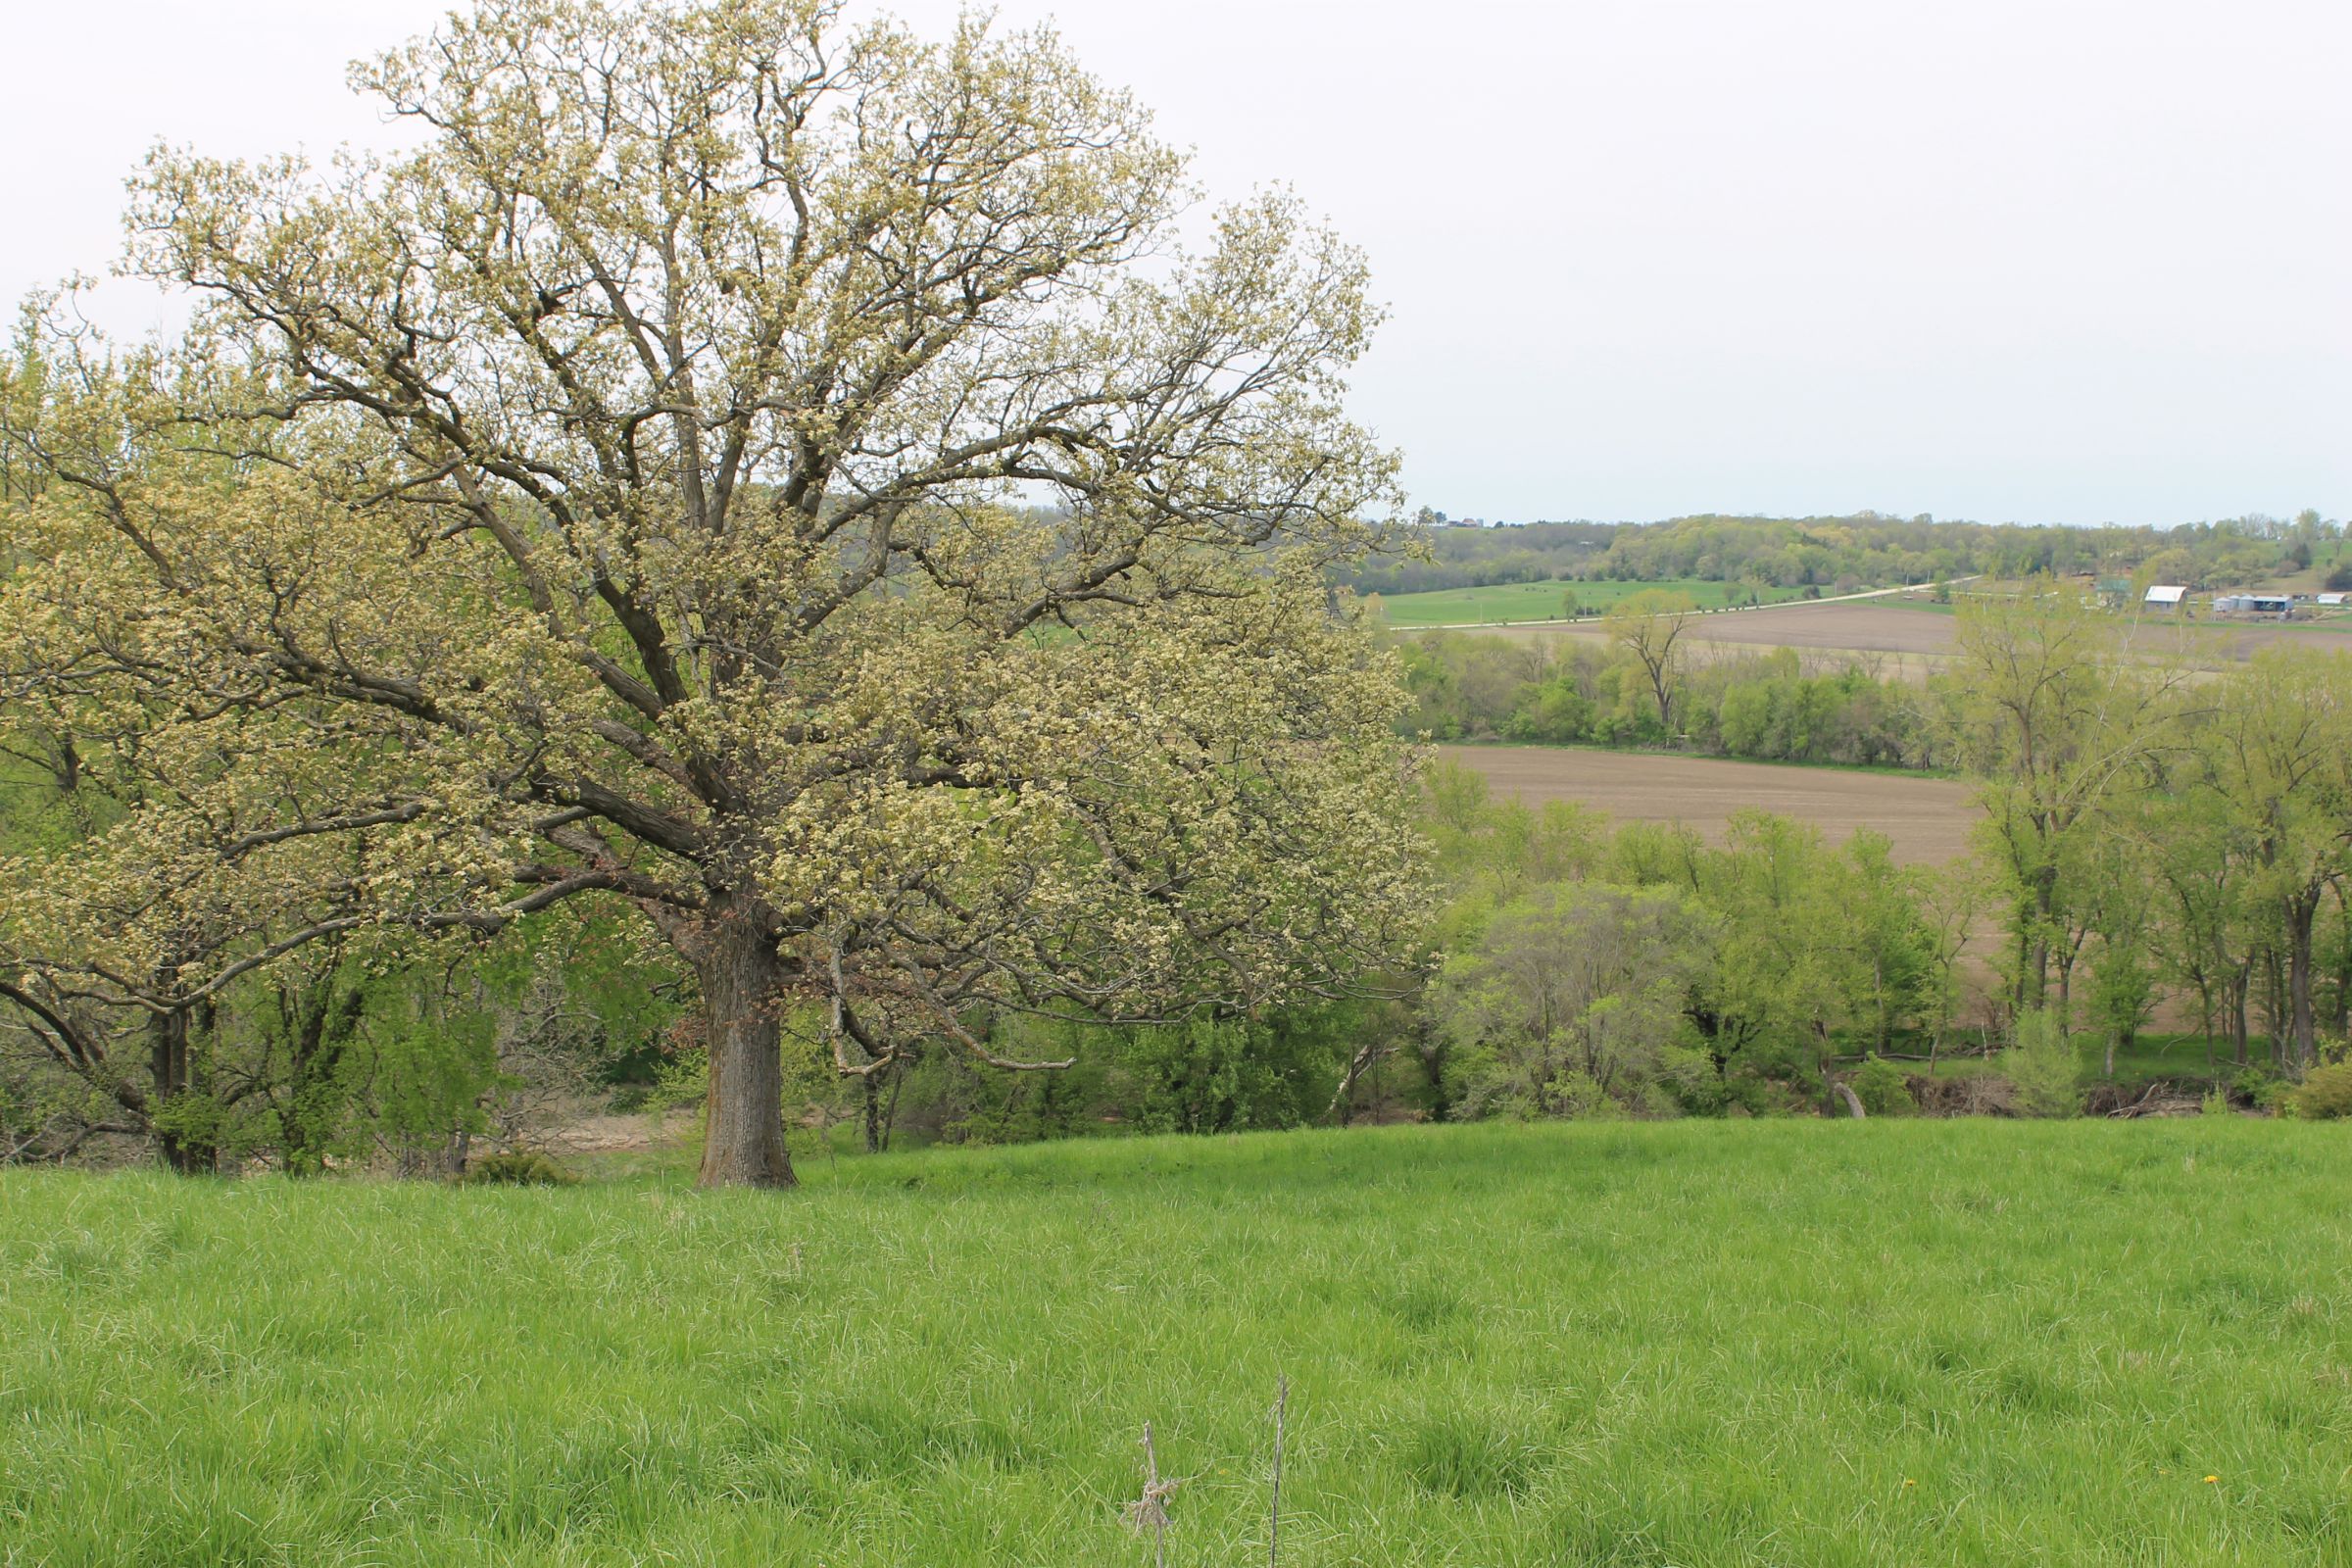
[[1927, 819], [1912, 641], [1881, 628], [1899, 644]]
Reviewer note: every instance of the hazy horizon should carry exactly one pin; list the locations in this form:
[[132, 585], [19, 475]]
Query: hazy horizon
[[2054, 262]]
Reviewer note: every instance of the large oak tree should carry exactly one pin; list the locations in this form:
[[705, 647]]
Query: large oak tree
[[791, 478]]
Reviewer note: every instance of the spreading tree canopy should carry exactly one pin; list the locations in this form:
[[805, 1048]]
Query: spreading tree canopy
[[791, 478]]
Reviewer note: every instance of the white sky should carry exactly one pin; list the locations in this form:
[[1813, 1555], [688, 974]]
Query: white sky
[[2044, 260]]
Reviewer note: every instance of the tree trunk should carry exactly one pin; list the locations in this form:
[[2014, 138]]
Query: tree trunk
[[320, 1025], [2240, 1034], [2341, 1010], [1342, 1110], [2025, 961], [173, 1075], [873, 1115], [890, 1106], [2033, 983], [742, 982], [2302, 914], [2274, 1003]]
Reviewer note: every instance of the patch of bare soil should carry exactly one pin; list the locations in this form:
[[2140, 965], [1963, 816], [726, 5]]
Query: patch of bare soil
[[1926, 819], [1909, 642], [602, 1132]]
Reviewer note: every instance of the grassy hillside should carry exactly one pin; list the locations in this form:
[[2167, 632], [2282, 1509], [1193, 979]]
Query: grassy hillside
[[1541, 601], [1696, 1344]]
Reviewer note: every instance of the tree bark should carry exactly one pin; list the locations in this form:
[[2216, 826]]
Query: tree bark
[[742, 981], [2302, 914], [320, 1025], [2275, 1006], [2240, 1032], [173, 1074]]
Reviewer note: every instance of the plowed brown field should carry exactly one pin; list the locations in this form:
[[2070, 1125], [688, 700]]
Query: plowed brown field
[[1927, 819], [1921, 639]]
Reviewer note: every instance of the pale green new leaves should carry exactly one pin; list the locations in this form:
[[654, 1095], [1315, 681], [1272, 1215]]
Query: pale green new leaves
[[751, 466]]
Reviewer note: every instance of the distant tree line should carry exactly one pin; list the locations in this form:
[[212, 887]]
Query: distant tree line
[[1766, 706], [1864, 549]]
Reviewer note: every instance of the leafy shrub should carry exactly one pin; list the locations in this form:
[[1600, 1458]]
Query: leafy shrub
[[2257, 1086], [2042, 1067], [517, 1171], [2326, 1094], [681, 1080], [1880, 1085], [1699, 1090], [1573, 1002]]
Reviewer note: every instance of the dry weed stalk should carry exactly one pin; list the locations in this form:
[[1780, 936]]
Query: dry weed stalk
[[1150, 1511], [1282, 1404]]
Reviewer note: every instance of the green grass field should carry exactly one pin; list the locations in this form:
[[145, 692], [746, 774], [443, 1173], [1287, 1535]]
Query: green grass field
[[1690, 1344], [1504, 603]]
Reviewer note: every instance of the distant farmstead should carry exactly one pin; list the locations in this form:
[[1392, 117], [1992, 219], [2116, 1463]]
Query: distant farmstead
[[2255, 605]]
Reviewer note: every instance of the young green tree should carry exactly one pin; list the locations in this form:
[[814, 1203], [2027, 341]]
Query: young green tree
[[1649, 626], [2057, 714], [737, 466], [2279, 755], [2196, 856], [2118, 915], [1813, 945], [1573, 999]]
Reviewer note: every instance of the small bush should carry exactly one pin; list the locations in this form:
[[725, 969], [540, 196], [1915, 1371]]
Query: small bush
[[2326, 1094], [517, 1171], [2259, 1088], [1699, 1090], [1882, 1087], [2042, 1067]]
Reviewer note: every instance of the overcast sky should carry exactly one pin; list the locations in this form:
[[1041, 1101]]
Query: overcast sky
[[2032, 260]]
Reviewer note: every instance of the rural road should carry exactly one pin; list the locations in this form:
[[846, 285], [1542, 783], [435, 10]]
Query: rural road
[[1731, 609]]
